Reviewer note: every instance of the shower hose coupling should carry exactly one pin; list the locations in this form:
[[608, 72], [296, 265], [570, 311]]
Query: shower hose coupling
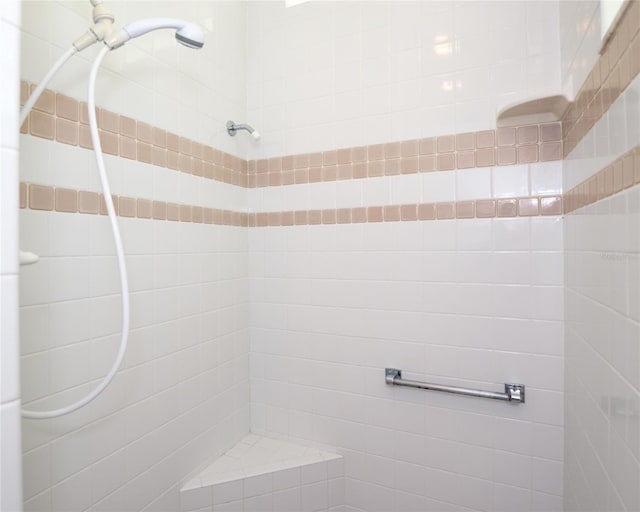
[[102, 28]]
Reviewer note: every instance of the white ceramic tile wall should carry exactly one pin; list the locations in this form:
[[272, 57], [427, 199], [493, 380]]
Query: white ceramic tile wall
[[603, 355], [602, 272], [579, 42], [324, 75], [11, 464], [472, 302], [476, 302], [182, 395]]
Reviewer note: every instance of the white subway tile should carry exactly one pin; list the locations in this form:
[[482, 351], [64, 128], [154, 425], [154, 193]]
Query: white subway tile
[[512, 234], [438, 187], [287, 501], [11, 462], [511, 498], [263, 503], [195, 499], [107, 475], [105, 315], [37, 65], [473, 184], [512, 469], [510, 181], [547, 441], [68, 234], [314, 496], [286, 479], [447, 487], [541, 501], [546, 178], [36, 367], [547, 476], [69, 278], [9, 323], [313, 473], [9, 221], [233, 506], [11, 13], [68, 366], [227, 492], [364, 496], [34, 329], [546, 234]]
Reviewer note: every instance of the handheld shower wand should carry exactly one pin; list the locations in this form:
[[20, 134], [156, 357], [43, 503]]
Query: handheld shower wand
[[187, 34]]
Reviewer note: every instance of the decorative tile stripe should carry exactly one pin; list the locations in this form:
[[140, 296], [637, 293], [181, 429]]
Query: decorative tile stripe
[[616, 67], [504, 146], [41, 197], [64, 119], [620, 175], [481, 209]]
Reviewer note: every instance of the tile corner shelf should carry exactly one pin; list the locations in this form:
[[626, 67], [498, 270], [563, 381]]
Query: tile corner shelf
[[260, 469], [535, 111]]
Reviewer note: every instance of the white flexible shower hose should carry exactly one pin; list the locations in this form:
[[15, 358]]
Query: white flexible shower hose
[[24, 112], [124, 286]]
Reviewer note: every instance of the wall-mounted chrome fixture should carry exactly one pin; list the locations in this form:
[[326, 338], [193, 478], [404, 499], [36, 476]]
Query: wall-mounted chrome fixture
[[512, 392], [232, 128]]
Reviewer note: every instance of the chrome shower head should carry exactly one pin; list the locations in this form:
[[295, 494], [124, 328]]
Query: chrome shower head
[[187, 34], [232, 128]]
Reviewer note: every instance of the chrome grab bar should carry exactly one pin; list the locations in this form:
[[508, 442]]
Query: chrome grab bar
[[512, 392]]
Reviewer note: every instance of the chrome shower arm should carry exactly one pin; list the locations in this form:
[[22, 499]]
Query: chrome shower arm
[[235, 127], [232, 128]]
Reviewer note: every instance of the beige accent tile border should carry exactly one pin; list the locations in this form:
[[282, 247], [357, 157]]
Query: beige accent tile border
[[504, 146], [616, 67], [41, 197], [65, 120], [620, 175], [485, 208]]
